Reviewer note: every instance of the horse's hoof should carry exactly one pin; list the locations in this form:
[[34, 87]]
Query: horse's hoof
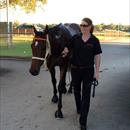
[[58, 115], [55, 99]]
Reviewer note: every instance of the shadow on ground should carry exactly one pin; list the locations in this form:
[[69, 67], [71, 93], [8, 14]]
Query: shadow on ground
[[4, 71]]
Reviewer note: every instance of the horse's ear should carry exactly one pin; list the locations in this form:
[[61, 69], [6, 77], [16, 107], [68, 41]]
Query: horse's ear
[[34, 29], [46, 28], [45, 31]]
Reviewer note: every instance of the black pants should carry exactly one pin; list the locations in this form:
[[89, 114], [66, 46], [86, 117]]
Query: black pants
[[81, 80]]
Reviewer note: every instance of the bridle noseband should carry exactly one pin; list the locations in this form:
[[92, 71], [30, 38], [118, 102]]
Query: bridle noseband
[[38, 58]]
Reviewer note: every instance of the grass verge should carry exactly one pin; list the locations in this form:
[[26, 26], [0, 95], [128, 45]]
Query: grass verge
[[19, 49]]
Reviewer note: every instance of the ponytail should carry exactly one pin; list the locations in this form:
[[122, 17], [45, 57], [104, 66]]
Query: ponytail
[[92, 29]]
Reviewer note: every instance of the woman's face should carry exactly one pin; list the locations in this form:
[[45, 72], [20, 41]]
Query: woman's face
[[85, 28]]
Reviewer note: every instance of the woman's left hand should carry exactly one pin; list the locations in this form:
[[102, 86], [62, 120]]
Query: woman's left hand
[[65, 52]]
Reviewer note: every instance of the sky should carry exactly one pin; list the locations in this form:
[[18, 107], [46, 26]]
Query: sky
[[68, 11]]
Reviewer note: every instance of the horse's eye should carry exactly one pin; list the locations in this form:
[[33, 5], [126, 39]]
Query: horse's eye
[[36, 43]]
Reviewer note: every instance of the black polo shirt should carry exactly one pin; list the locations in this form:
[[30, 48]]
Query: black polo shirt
[[83, 52]]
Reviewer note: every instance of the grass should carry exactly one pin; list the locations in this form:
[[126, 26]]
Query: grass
[[21, 46], [19, 49]]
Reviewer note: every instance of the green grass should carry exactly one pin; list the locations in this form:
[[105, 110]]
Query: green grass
[[19, 49]]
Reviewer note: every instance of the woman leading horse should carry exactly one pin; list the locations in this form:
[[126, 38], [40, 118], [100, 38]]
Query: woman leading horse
[[55, 38]]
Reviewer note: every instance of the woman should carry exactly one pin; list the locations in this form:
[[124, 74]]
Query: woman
[[85, 64]]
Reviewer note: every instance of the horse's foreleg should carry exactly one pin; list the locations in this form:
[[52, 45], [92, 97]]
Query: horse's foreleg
[[61, 90], [53, 79], [62, 82], [58, 113]]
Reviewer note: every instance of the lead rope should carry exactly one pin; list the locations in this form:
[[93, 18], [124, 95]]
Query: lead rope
[[94, 83], [48, 52]]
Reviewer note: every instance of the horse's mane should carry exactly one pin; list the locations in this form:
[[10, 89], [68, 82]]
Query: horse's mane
[[73, 28], [69, 29]]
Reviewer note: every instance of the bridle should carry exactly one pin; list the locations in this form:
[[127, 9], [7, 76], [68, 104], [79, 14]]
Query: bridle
[[38, 58], [47, 48]]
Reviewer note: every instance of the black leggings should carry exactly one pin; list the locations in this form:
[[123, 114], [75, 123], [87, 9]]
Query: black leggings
[[81, 80]]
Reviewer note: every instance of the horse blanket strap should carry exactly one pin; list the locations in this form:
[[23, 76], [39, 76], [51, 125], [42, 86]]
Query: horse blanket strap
[[94, 83]]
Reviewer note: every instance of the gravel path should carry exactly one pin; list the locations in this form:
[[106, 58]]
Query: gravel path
[[26, 100]]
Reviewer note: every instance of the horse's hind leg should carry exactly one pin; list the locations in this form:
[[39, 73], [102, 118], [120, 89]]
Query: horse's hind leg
[[53, 79], [70, 90]]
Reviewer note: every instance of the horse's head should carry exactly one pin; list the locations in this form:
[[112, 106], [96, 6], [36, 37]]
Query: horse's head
[[56, 38], [38, 47]]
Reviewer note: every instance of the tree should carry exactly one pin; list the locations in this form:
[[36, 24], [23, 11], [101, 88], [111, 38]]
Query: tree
[[27, 5], [100, 27], [15, 24]]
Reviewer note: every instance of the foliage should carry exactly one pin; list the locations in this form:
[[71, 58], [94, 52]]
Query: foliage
[[27, 5], [98, 28], [15, 24], [101, 27]]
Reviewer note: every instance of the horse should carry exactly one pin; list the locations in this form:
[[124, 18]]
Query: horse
[[47, 47]]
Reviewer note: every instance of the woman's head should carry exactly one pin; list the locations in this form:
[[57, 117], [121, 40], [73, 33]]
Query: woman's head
[[87, 25]]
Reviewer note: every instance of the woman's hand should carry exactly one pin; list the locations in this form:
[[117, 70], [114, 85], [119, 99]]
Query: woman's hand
[[97, 66], [65, 52], [96, 76]]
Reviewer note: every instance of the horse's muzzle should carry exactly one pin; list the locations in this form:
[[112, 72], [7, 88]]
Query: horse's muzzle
[[34, 73]]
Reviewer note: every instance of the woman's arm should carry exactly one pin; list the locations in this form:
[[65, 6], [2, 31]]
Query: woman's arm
[[97, 65]]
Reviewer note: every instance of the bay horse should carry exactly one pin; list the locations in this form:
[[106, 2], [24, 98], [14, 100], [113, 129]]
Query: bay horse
[[55, 39]]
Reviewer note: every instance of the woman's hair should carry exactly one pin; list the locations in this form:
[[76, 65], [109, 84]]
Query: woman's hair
[[89, 21]]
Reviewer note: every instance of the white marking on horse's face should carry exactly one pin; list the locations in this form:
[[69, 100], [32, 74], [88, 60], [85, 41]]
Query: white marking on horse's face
[[36, 43]]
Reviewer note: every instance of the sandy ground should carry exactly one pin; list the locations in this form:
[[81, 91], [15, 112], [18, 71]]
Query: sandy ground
[[116, 41], [25, 101]]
